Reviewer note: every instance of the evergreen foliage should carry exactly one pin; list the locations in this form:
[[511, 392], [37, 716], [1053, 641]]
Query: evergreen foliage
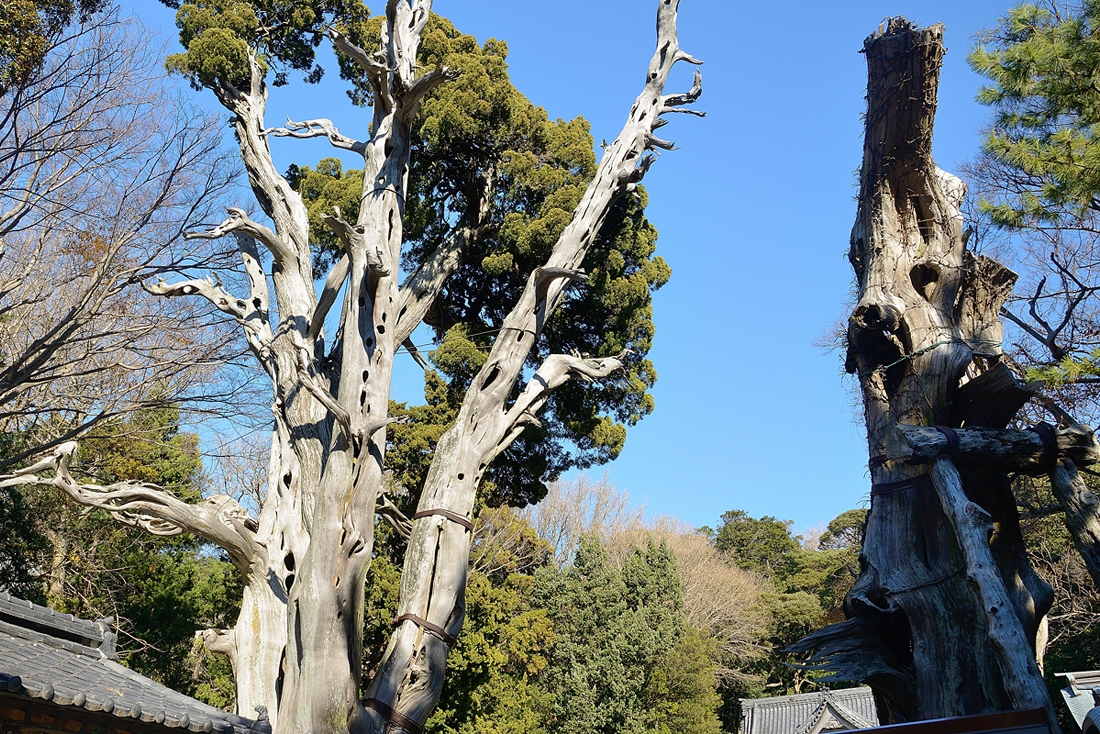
[[1040, 177], [598, 646], [1042, 67], [218, 36], [478, 129], [614, 629], [159, 590], [808, 588], [29, 28]]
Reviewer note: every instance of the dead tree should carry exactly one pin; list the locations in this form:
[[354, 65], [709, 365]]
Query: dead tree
[[943, 619], [297, 642]]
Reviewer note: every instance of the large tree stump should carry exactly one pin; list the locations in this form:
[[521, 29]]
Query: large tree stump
[[929, 629]]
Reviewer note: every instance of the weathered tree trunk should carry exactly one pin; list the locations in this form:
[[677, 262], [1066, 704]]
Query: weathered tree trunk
[[296, 646], [432, 600], [945, 614], [1082, 519]]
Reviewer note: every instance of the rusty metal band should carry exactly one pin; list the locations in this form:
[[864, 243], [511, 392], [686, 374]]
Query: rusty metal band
[[1049, 437], [455, 518], [904, 484], [393, 717], [952, 439], [876, 461], [435, 629]]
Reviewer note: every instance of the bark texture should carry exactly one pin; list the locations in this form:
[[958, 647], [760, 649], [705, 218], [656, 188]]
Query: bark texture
[[945, 614], [296, 646]]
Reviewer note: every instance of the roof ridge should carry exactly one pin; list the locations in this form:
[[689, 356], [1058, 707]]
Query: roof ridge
[[96, 635], [852, 717]]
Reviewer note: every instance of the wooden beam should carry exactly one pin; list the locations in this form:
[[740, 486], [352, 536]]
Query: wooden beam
[[987, 448]]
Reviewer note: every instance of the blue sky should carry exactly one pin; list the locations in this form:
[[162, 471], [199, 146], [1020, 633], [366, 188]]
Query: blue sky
[[753, 210]]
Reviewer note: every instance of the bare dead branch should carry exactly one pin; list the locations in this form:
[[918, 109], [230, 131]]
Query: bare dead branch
[[318, 128], [220, 519], [239, 221]]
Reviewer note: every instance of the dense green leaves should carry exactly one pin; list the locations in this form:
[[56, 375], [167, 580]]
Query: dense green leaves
[[615, 628], [160, 591], [1043, 70], [602, 645], [763, 545], [282, 34], [480, 134], [493, 674], [29, 28]]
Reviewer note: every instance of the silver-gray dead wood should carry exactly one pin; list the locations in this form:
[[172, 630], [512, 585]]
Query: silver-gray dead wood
[[296, 646], [944, 616]]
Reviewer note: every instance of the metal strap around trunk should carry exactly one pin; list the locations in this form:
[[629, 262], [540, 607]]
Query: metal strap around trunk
[[952, 439], [904, 484], [435, 629], [1049, 459], [453, 517], [393, 717]]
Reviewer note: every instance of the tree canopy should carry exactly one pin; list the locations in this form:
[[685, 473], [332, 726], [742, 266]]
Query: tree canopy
[[485, 157]]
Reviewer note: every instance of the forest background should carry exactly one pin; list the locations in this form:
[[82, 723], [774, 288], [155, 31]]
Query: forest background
[[755, 206]]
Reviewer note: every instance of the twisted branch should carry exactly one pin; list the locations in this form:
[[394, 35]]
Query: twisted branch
[[219, 519], [239, 222], [321, 127], [557, 370]]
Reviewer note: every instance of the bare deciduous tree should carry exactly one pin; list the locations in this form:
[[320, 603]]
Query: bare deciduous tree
[[101, 169], [723, 602], [582, 506]]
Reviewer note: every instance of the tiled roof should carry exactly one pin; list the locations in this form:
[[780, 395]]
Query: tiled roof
[[71, 662], [1080, 694], [851, 708]]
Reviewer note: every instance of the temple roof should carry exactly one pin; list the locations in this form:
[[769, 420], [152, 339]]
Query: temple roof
[[809, 713], [71, 662]]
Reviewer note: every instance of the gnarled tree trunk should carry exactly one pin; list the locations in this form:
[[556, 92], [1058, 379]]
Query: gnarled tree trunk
[[296, 646], [945, 613]]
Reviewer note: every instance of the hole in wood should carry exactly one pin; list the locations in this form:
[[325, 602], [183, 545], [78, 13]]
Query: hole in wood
[[492, 376], [289, 582], [257, 303], [362, 398], [362, 301], [366, 375], [461, 476], [370, 341], [924, 278], [288, 561], [383, 317], [381, 329], [287, 478]]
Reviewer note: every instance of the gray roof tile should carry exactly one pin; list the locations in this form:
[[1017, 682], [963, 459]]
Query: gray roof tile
[[853, 707], [59, 658]]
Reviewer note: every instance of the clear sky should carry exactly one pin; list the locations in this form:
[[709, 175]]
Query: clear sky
[[754, 212]]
